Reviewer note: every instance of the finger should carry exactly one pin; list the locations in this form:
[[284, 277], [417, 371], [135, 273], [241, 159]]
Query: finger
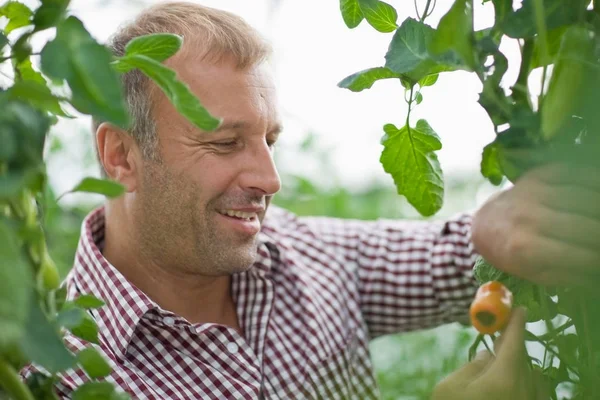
[[570, 198], [561, 173], [549, 261], [567, 226], [510, 351], [469, 372]]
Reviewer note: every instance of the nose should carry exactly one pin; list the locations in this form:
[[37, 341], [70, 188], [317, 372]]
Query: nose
[[261, 176]]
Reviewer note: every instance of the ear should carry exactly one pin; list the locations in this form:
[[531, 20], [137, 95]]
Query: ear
[[119, 155]]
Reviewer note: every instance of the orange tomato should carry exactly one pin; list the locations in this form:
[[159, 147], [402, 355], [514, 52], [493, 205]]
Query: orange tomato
[[491, 307]]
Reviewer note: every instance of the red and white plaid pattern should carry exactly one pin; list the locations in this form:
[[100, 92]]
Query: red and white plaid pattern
[[319, 291]]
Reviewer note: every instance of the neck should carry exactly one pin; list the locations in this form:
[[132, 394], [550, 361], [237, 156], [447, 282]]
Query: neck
[[197, 298]]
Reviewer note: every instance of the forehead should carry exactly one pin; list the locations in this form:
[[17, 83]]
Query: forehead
[[225, 90]]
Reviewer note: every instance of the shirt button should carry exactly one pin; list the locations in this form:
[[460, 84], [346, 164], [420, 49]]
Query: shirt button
[[232, 348], [169, 320]]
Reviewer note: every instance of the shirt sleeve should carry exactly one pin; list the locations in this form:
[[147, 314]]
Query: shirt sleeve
[[410, 274]]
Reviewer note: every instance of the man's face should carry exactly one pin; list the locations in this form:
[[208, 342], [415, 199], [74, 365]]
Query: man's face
[[200, 210]]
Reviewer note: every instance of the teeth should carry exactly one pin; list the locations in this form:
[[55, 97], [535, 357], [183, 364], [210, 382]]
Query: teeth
[[239, 214]]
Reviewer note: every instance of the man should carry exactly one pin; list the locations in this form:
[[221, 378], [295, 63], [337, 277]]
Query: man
[[208, 295]]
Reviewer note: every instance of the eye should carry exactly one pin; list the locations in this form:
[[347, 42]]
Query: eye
[[226, 144]]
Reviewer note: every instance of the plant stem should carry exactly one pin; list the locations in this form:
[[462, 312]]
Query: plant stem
[[520, 88], [550, 335], [555, 354], [12, 383], [426, 12], [589, 346], [540, 23], [410, 101]]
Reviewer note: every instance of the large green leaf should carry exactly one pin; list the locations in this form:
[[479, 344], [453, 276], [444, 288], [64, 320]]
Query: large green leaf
[[36, 94], [351, 13], [185, 102], [158, 46], [93, 363], [18, 15], [379, 15], [366, 78], [49, 13], [106, 187], [521, 23], [455, 33], [42, 343], [85, 64], [409, 156], [408, 52], [16, 287]]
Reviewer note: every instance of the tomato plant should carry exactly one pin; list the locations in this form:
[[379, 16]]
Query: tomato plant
[[76, 75], [559, 45]]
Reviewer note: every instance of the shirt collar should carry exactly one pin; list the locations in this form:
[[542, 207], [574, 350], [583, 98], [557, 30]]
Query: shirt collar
[[125, 304]]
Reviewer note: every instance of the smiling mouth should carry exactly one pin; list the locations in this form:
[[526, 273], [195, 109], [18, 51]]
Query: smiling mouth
[[246, 216]]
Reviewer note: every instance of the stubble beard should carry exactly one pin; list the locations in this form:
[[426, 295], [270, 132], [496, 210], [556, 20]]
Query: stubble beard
[[179, 234]]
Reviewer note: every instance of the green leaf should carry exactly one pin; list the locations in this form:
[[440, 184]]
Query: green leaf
[[42, 343], [521, 23], [88, 301], [455, 33], [502, 8], [366, 78], [96, 391], [409, 156], [50, 13], [567, 347], [429, 80], [16, 284], [85, 64], [36, 94], [485, 272], [379, 15], [351, 13], [18, 15], [86, 330], [408, 52], [490, 164], [3, 40], [27, 72], [554, 39], [93, 363], [158, 46], [176, 91], [70, 317], [42, 386], [418, 97], [106, 187]]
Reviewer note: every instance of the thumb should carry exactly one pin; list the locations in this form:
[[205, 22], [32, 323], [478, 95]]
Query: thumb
[[469, 372], [510, 347]]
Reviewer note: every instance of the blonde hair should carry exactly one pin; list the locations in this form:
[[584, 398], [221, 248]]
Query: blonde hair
[[215, 34]]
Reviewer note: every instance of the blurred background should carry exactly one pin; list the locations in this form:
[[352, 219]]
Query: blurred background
[[328, 155]]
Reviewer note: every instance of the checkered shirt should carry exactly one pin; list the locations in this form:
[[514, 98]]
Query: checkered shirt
[[319, 291]]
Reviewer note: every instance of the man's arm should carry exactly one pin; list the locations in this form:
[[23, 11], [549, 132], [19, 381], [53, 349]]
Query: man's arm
[[410, 274]]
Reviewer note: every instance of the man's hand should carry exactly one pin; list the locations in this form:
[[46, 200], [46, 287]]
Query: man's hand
[[500, 377], [546, 228]]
